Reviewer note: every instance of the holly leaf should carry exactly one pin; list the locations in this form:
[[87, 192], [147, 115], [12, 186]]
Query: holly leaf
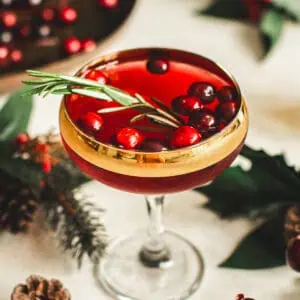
[[263, 190], [233, 9], [15, 115], [262, 248], [271, 25], [290, 7]]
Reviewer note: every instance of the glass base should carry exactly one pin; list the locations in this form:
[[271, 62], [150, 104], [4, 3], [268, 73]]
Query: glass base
[[124, 276]]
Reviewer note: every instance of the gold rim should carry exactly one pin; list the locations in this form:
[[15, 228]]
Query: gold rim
[[158, 164]]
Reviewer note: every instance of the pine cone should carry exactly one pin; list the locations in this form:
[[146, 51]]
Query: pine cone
[[17, 204], [38, 288]]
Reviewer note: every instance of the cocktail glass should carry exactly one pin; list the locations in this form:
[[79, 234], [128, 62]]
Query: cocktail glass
[[155, 263]]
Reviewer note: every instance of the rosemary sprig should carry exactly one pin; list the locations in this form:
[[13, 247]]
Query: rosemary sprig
[[50, 83]]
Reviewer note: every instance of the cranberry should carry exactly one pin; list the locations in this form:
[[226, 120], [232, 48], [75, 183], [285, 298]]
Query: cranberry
[[88, 45], [204, 121], [152, 145], [98, 76], [68, 15], [227, 93], [72, 45], [185, 105], [22, 138], [91, 122], [129, 138], [185, 136], [227, 110], [293, 253], [203, 90], [158, 65], [108, 3]]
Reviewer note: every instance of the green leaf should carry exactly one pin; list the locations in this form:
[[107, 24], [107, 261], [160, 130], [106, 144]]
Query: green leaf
[[291, 7], [120, 96], [15, 115], [262, 248], [263, 190], [233, 9], [271, 25]]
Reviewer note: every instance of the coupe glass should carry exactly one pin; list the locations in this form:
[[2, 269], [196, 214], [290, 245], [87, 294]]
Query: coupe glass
[[155, 263]]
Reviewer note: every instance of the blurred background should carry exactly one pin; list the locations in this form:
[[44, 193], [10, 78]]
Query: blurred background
[[61, 41]]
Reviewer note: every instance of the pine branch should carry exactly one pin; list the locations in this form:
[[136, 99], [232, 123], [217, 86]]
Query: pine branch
[[76, 222]]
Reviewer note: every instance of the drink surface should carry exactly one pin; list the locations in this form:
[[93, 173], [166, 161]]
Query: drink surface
[[204, 97]]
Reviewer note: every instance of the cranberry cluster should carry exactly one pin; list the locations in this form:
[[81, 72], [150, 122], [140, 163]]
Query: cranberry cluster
[[200, 121]]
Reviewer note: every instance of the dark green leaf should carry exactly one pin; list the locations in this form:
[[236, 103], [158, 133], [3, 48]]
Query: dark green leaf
[[263, 190], [271, 25], [262, 248], [233, 9], [15, 115]]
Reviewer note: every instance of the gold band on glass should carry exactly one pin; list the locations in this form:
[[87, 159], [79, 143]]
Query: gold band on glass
[[161, 164]]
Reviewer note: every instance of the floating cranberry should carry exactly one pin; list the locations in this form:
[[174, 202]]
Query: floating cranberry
[[48, 14], [98, 76], [129, 138], [203, 90], [185, 136], [151, 145], [88, 45], [227, 110], [9, 19], [109, 3], [158, 65], [227, 93], [68, 15], [293, 253], [185, 105], [204, 121], [72, 45], [91, 122]]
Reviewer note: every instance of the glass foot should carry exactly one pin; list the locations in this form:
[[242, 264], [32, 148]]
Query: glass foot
[[124, 276]]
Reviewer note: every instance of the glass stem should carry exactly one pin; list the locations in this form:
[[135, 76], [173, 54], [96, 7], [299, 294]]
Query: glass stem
[[155, 253]]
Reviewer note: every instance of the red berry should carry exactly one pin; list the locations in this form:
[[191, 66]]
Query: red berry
[[47, 166], [227, 110], [98, 76], [204, 121], [16, 55], [293, 253], [109, 3], [203, 90], [185, 105], [72, 45], [91, 122], [48, 14], [88, 45], [227, 93], [129, 138], [151, 145], [68, 15], [9, 19], [22, 138], [158, 65], [240, 297], [3, 52], [185, 136]]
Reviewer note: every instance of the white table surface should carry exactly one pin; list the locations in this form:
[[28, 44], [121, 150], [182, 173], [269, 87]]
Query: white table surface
[[273, 95]]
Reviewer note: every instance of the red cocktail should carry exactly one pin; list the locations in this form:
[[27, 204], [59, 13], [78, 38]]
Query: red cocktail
[[185, 124]]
